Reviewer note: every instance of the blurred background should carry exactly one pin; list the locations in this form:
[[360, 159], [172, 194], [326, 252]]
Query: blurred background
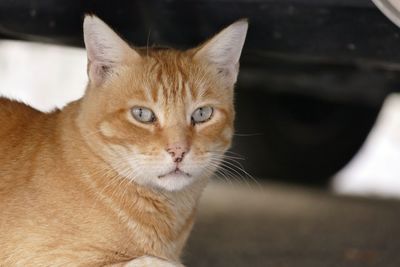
[[317, 97], [318, 122]]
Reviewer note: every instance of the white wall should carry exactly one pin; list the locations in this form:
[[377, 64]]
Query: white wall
[[44, 76], [375, 170]]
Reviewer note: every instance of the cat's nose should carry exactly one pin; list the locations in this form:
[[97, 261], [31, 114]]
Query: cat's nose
[[177, 152]]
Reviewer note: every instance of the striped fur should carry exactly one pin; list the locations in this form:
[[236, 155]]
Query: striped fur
[[81, 186]]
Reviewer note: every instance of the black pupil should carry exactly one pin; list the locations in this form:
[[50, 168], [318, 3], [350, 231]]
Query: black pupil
[[142, 113], [201, 112]]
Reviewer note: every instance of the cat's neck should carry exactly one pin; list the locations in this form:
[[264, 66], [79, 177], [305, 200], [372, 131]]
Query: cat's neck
[[169, 214]]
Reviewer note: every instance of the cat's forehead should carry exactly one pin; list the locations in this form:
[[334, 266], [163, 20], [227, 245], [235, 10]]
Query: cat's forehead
[[170, 65], [173, 77]]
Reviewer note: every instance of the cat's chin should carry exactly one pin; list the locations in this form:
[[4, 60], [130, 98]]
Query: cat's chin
[[174, 181], [175, 172]]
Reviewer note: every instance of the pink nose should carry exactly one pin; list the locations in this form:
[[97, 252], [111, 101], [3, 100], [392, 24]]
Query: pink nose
[[177, 152]]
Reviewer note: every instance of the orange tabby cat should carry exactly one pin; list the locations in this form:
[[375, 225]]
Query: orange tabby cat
[[114, 178]]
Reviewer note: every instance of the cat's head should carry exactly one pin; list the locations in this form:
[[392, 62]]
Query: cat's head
[[160, 117]]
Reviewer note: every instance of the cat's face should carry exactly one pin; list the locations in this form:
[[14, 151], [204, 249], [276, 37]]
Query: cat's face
[[161, 118]]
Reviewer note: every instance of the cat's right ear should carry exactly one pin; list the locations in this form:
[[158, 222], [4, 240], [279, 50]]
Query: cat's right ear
[[106, 51], [224, 49]]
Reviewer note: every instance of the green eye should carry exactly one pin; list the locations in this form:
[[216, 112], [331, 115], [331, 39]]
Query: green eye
[[202, 114], [143, 114]]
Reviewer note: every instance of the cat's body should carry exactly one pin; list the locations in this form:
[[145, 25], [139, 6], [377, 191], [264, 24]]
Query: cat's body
[[69, 195], [53, 206]]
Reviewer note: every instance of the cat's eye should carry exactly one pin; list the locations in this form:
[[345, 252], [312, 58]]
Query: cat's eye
[[202, 114], [143, 114]]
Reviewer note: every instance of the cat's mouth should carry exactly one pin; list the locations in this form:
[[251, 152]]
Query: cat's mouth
[[175, 172]]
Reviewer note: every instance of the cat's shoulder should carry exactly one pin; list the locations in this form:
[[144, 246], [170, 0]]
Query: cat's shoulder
[[12, 112], [14, 107]]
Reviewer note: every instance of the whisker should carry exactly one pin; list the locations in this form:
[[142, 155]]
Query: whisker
[[235, 168], [247, 134], [224, 171], [235, 174], [147, 43], [230, 157], [241, 168]]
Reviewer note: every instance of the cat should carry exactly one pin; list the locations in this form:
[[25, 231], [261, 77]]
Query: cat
[[114, 178]]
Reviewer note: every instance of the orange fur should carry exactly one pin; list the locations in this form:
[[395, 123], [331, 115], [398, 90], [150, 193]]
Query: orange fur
[[67, 193]]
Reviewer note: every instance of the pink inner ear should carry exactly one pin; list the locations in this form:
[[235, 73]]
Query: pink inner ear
[[97, 72]]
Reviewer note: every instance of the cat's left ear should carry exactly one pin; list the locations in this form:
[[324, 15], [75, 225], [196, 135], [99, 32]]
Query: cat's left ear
[[224, 49], [106, 51]]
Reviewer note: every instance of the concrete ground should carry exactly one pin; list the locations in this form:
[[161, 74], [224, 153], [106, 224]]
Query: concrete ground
[[284, 226]]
